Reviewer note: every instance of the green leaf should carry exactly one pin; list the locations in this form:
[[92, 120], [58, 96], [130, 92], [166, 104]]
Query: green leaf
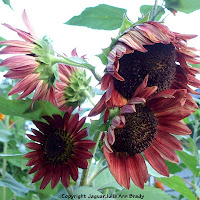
[[190, 161], [176, 183], [105, 180], [186, 6], [17, 188], [103, 16], [148, 193], [87, 193], [174, 168], [144, 9], [22, 108]]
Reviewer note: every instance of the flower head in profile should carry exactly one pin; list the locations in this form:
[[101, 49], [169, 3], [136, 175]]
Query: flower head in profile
[[73, 87], [147, 48], [59, 149], [32, 64], [145, 127]]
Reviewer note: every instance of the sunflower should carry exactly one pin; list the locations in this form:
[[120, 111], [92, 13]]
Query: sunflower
[[59, 149], [144, 127], [73, 86], [147, 48], [32, 64]]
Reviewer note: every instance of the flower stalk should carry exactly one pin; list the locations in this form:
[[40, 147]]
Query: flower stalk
[[154, 9], [80, 62], [93, 150]]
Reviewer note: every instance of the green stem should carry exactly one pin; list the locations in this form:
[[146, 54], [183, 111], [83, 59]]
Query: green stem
[[82, 63], [87, 94], [93, 175], [85, 173], [153, 14], [69, 191], [97, 174]]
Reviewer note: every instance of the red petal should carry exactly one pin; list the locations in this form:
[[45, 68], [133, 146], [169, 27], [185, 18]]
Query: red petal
[[137, 170], [169, 140], [35, 138], [65, 178], [32, 154], [165, 151], [47, 178], [41, 172], [99, 107], [105, 81], [34, 146], [73, 123], [177, 128], [86, 144], [80, 135], [156, 161], [79, 125], [82, 153], [36, 167], [34, 160], [81, 163], [73, 170], [56, 176]]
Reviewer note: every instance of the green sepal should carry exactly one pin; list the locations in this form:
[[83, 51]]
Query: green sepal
[[126, 24], [143, 19], [75, 93]]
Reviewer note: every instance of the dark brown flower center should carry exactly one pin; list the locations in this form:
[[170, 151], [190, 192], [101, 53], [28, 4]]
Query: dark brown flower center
[[158, 62], [138, 133], [58, 147]]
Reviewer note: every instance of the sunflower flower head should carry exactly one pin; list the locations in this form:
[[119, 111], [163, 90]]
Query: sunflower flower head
[[59, 149], [33, 64], [73, 87], [146, 48], [145, 127]]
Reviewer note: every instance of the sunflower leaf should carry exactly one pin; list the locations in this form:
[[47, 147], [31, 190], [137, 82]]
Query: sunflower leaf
[[176, 183], [190, 161], [103, 17], [17, 188], [186, 6], [22, 108]]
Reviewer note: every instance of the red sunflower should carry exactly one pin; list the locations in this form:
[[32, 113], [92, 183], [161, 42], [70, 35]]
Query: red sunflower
[[73, 87], [31, 65], [144, 128], [59, 149], [147, 48]]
